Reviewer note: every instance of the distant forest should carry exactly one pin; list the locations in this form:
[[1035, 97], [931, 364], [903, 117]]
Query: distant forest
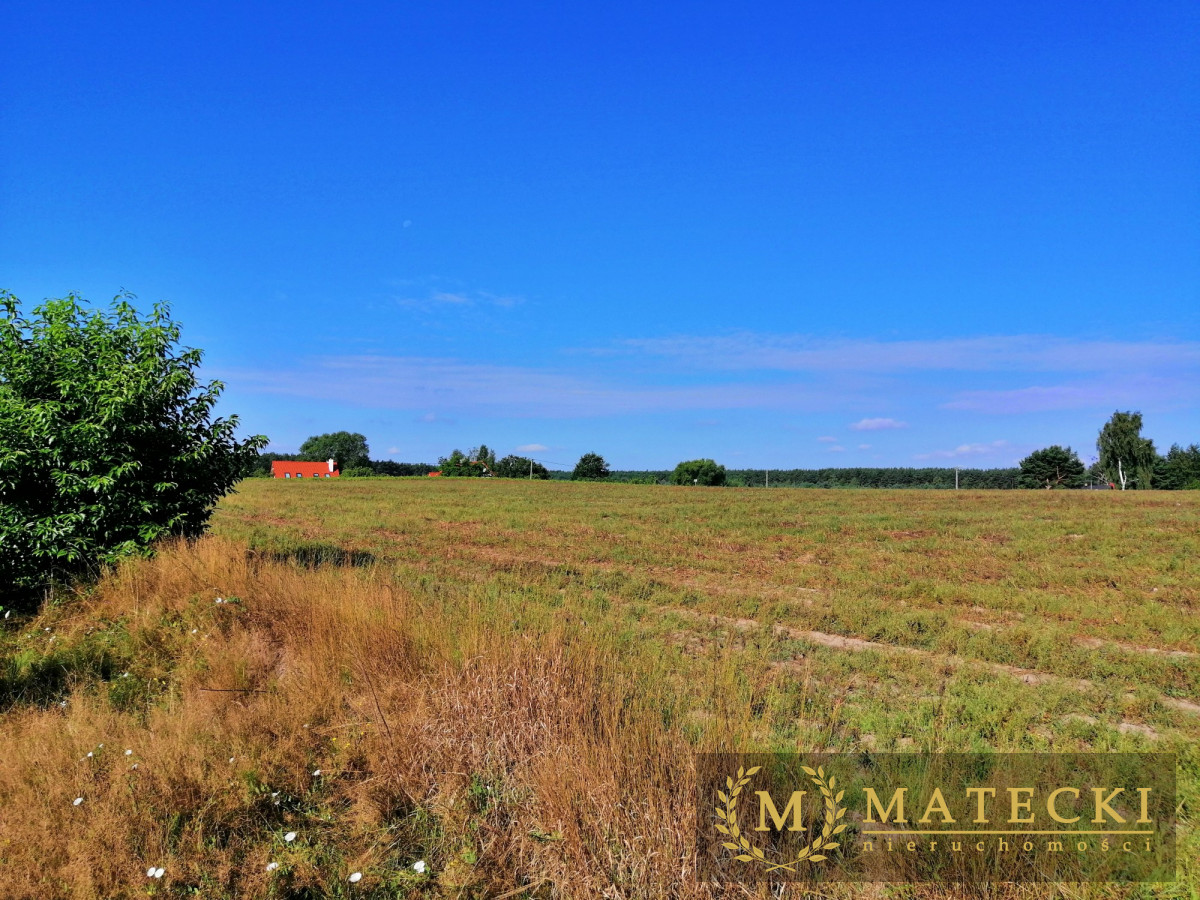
[[932, 478]]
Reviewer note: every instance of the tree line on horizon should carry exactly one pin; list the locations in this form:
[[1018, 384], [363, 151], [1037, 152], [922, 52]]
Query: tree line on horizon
[[1126, 461]]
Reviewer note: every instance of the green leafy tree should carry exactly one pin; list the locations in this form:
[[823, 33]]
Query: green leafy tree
[[1126, 458], [478, 462], [591, 467], [1095, 475], [1052, 467], [107, 439], [520, 467], [347, 449], [389, 467], [1179, 469], [486, 458], [699, 471]]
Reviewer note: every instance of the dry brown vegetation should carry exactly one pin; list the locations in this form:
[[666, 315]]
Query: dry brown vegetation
[[510, 681]]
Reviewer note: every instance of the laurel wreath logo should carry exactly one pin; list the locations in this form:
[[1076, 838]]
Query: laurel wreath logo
[[814, 852]]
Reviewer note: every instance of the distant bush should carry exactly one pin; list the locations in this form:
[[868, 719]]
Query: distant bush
[[699, 471], [591, 467], [520, 467], [358, 472], [399, 469]]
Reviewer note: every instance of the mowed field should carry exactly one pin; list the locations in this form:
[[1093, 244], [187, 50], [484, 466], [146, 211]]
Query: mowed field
[[507, 680]]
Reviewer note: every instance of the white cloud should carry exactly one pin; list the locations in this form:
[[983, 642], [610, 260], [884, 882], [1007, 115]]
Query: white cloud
[[826, 439], [392, 451], [877, 424], [532, 448], [968, 450], [864, 446]]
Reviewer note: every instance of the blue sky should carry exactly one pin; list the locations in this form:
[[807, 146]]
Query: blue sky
[[792, 236]]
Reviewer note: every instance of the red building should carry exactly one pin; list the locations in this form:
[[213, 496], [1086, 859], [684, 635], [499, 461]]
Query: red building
[[281, 468]]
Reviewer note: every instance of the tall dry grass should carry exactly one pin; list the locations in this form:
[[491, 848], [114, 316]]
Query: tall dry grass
[[536, 759], [533, 760]]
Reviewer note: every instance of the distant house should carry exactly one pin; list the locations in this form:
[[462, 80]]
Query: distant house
[[434, 474], [282, 468]]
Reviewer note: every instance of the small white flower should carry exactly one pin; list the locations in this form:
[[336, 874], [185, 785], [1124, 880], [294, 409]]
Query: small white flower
[[274, 793], [356, 878], [89, 756], [101, 747], [231, 759], [419, 867], [219, 600], [159, 872], [63, 704], [290, 836], [316, 772], [150, 872], [272, 866], [129, 753], [134, 766], [194, 630], [78, 800], [7, 614], [46, 629]]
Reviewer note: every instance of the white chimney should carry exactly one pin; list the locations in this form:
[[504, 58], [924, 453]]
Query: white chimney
[[331, 465]]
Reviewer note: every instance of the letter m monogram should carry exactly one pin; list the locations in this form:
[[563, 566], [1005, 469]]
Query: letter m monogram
[[766, 806]]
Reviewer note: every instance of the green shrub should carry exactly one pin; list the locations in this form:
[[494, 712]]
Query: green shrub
[[107, 440]]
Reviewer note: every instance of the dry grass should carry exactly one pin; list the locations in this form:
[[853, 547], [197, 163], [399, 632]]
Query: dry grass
[[510, 681], [539, 760]]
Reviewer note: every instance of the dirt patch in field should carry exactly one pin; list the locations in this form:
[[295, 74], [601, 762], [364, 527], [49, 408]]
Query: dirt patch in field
[[1100, 643]]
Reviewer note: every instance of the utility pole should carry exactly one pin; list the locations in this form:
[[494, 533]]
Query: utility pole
[[768, 484], [956, 478], [531, 469]]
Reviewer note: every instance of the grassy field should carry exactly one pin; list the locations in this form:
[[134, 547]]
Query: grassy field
[[507, 680]]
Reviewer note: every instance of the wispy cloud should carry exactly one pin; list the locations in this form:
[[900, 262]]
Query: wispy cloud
[[1131, 391], [836, 448], [532, 448], [848, 378], [449, 385], [877, 425], [438, 299], [827, 439], [1028, 353]]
